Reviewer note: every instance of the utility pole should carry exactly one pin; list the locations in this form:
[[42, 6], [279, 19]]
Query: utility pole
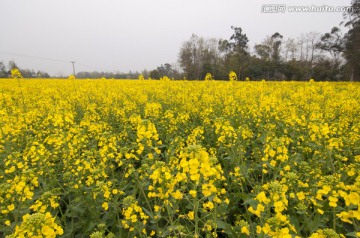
[[73, 63]]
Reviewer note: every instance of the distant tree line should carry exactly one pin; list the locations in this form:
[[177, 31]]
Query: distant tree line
[[107, 75], [5, 72], [333, 56]]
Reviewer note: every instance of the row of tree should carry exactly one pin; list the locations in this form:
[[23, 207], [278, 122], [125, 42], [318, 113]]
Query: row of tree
[[333, 56], [5, 72], [163, 70], [108, 75]]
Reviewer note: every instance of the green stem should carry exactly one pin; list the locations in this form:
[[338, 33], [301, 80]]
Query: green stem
[[196, 207], [334, 219], [147, 201]]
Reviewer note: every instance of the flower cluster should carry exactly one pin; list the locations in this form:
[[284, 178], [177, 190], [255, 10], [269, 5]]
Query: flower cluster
[[37, 225], [15, 73]]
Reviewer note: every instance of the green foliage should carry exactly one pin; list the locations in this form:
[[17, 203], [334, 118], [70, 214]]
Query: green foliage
[[154, 74]]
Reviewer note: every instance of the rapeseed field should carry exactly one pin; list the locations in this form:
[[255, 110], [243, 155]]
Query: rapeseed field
[[146, 158]]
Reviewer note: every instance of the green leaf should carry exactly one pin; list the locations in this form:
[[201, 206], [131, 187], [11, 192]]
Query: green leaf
[[239, 196], [226, 227], [148, 213], [90, 226], [251, 202], [315, 223], [352, 234]]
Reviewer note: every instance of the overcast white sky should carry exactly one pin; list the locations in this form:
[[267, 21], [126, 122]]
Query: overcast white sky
[[124, 35]]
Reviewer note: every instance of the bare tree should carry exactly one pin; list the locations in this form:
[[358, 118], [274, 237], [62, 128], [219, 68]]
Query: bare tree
[[290, 49], [199, 56]]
